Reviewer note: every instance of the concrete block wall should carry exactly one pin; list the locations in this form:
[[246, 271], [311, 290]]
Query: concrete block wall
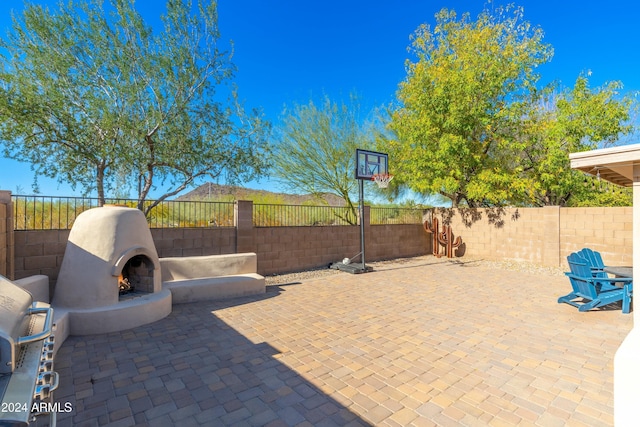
[[543, 236], [396, 241], [181, 242], [606, 230], [494, 234], [39, 252], [288, 249]]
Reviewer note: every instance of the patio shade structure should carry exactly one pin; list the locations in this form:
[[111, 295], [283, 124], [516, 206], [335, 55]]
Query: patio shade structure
[[621, 165]]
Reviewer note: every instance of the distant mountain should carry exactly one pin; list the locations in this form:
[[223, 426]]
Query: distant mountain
[[211, 191]]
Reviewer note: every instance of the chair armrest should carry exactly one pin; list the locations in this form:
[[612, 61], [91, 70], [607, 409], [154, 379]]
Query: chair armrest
[[614, 279], [608, 283], [601, 280]]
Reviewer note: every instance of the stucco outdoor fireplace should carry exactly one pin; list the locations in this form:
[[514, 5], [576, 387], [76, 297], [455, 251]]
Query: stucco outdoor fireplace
[[110, 278]]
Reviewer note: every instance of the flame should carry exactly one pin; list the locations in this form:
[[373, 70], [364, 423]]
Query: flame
[[123, 284]]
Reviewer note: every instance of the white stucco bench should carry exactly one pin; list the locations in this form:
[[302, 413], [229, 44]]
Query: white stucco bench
[[37, 286], [211, 277]]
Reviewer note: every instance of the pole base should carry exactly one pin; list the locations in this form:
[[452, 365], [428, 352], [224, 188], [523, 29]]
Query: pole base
[[354, 268]]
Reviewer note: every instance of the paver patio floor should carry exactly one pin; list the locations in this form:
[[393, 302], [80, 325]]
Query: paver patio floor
[[427, 342]]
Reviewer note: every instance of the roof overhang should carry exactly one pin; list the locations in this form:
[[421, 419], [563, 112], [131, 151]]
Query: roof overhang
[[613, 164]]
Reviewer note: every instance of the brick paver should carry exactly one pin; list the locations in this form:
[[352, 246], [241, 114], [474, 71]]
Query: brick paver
[[429, 342]]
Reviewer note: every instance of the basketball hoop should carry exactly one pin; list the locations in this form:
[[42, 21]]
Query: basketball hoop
[[382, 179]]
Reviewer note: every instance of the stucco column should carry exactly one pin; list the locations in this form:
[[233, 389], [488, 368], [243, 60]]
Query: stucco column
[[244, 226], [7, 266], [626, 365]]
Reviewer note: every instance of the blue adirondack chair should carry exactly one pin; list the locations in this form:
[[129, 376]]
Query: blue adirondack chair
[[594, 260], [595, 291]]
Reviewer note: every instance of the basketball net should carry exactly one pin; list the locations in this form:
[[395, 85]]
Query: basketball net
[[382, 179]]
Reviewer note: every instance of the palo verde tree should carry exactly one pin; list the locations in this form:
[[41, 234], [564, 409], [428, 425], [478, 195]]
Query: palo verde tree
[[461, 104], [314, 149], [90, 94]]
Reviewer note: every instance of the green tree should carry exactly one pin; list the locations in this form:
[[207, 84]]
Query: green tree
[[600, 193], [575, 120], [314, 149], [474, 126], [462, 103], [87, 97]]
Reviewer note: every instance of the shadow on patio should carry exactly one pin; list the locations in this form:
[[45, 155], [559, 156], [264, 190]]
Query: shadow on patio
[[190, 368]]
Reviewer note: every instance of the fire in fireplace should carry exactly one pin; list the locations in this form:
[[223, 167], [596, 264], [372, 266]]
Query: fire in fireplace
[[136, 276]]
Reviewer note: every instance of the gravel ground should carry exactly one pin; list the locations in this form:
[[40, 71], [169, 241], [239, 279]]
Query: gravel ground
[[312, 274]]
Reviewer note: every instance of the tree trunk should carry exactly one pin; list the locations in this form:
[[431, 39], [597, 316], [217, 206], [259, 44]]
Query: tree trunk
[[100, 183]]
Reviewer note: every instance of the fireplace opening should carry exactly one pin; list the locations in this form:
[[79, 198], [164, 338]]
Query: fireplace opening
[[136, 277]]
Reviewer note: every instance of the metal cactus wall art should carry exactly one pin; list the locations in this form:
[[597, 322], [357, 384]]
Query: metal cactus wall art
[[442, 238]]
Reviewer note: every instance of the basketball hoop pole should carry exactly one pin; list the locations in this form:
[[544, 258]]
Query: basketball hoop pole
[[361, 208]]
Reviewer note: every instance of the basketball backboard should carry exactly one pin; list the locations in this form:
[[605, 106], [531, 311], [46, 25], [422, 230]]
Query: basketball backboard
[[369, 163]]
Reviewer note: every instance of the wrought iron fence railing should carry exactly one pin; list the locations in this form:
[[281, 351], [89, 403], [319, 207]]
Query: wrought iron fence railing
[[59, 213], [390, 215], [268, 215]]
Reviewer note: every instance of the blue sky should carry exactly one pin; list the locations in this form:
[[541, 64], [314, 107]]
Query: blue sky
[[288, 51]]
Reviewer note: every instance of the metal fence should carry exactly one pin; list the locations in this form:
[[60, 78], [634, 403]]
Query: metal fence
[[267, 215], [59, 213], [383, 216]]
